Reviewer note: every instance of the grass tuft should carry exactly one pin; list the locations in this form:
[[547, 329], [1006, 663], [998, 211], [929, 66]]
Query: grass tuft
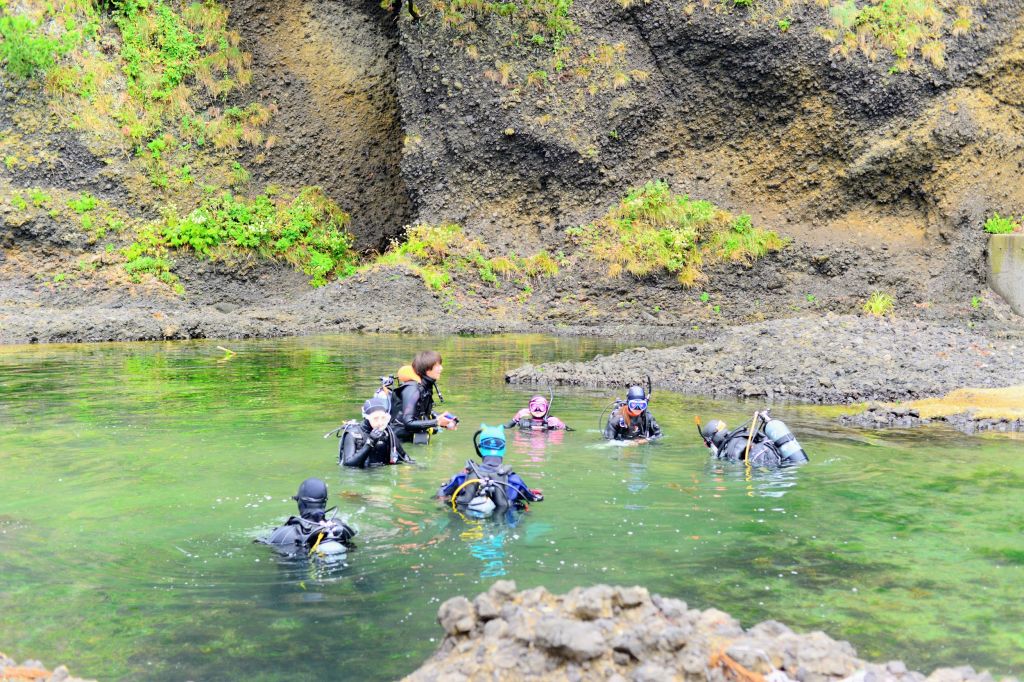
[[879, 304], [309, 231], [437, 252], [653, 230]]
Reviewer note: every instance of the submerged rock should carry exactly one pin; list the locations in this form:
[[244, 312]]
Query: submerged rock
[[624, 633], [33, 671]]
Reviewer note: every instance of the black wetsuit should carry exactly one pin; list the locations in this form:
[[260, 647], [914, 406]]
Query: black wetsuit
[[412, 409], [361, 446], [299, 534], [763, 451], [641, 426]]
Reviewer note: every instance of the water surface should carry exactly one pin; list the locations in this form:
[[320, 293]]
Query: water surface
[[133, 478]]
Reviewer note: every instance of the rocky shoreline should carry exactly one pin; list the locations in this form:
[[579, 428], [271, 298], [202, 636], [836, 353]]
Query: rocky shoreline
[[887, 417], [33, 671], [833, 359], [625, 633]]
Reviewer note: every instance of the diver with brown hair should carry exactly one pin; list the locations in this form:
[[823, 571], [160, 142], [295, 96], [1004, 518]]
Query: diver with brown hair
[[412, 403], [631, 420]]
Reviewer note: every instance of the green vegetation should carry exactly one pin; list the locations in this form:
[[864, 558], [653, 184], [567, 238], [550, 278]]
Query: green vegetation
[[654, 230], [165, 51], [309, 231], [976, 302], [904, 28], [539, 21], [437, 252], [27, 48], [997, 224], [85, 202], [880, 304]]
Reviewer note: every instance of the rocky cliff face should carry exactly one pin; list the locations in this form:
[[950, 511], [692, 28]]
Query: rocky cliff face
[[878, 160]]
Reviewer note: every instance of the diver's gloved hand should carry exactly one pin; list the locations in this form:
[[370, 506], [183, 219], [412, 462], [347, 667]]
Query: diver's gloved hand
[[538, 495], [377, 434]]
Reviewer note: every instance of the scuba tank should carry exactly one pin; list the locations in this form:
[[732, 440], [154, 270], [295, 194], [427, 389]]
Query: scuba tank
[[784, 439]]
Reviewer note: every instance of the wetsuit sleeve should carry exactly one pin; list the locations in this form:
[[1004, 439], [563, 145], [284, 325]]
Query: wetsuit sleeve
[[448, 488], [611, 429], [655, 430], [342, 532], [521, 488], [407, 417], [353, 456]]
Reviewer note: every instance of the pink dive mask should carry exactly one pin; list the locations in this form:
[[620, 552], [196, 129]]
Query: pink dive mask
[[538, 406]]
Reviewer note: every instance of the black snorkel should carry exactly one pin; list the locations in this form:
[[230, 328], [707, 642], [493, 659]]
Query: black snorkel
[[476, 443]]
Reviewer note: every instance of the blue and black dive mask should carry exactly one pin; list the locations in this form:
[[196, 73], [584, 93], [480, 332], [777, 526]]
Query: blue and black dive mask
[[637, 405], [489, 441]]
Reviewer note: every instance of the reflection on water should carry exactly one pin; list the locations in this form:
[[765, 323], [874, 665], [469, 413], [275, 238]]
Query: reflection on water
[[133, 479]]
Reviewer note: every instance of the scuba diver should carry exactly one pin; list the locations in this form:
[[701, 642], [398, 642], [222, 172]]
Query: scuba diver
[[536, 417], [310, 531], [371, 442], [490, 485], [387, 383], [412, 403], [631, 420], [772, 443]]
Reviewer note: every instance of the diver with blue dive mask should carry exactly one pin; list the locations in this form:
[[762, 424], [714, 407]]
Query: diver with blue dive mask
[[488, 486], [631, 420]]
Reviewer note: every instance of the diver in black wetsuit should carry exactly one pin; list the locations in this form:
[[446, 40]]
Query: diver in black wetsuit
[[489, 485], [631, 420], [773, 444], [412, 403], [299, 534], [371, 442]]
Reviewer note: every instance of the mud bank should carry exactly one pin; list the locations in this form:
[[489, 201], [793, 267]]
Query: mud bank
[[33, 671], [833, 359], [624, 633]]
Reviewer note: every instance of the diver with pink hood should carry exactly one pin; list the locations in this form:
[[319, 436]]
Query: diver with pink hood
[[536, 417]]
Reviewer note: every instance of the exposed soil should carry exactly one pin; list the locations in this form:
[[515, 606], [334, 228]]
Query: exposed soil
[[624, 633], [330, 68]]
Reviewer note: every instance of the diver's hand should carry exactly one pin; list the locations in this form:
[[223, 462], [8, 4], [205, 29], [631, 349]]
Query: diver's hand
[[377, 435], [447, 423], [537, 494]]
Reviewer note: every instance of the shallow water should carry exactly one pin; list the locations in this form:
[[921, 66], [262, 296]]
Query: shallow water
[[133, 479]]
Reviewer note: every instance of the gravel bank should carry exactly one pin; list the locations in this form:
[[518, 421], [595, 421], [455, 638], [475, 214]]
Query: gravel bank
[[833, 359], [624, 633]]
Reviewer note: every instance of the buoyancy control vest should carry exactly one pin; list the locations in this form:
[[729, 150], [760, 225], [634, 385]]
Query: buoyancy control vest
[[492, 483], [297, 533]]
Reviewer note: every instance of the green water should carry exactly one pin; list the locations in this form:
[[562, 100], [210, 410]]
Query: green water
[[134, 477]]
